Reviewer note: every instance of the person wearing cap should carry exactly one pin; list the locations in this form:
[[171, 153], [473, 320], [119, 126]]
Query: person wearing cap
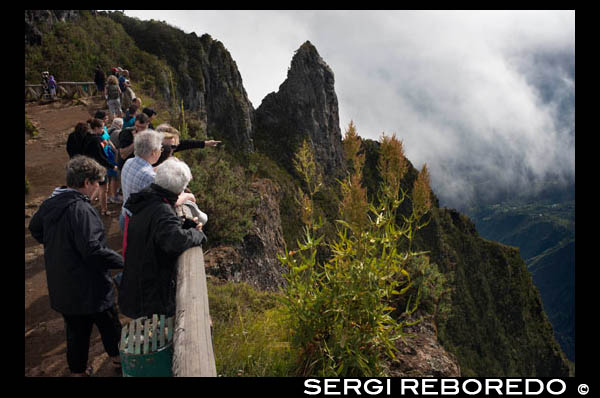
[[151, 113]]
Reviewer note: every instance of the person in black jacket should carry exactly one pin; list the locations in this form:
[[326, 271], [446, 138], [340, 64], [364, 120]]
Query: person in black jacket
[[99, 79], [154, 237], [126, 137], [172, 144], [77, 262], [76, 140]]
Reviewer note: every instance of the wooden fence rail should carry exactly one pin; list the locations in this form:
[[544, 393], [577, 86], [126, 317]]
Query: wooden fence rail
[[193, 354], [34, 92]]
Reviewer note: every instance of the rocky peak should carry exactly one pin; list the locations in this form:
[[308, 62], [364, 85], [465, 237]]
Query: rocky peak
[[305, 107], [228, 110]]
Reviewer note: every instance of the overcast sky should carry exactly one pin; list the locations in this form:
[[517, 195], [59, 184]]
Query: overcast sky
[[485, 98]]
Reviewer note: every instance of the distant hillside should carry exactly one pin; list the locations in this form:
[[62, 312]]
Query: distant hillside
[[545, 234], [554, 274]]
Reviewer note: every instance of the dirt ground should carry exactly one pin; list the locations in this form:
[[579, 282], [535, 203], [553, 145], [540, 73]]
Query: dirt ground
[[45, 159]]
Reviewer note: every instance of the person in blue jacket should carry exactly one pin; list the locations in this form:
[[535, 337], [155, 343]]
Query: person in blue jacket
[[77, 261]]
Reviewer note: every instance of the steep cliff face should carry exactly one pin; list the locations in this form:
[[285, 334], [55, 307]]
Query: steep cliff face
[[205, 75], [497, 325], [305, 107], [228, 110], [254, 260]]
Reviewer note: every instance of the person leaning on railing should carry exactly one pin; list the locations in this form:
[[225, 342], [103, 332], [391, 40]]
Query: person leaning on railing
[[154, 238]]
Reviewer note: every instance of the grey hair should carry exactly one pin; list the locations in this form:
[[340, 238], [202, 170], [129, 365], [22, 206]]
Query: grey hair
[[173, 175], [81, 168], [147, 141], [117, 122]]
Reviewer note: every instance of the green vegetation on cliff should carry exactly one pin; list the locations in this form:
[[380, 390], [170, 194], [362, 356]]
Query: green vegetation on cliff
[[550, 256], [71, 51]]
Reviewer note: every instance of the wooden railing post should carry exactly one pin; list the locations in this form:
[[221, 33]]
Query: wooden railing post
[[193, 354]]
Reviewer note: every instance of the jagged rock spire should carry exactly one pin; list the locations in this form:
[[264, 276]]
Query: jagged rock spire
[[305, 107]]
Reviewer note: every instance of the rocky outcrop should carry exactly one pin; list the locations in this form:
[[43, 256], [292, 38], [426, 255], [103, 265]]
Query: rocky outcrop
[[422, 355], [224, 100], [305, 107], [254, 260], [36, 21]]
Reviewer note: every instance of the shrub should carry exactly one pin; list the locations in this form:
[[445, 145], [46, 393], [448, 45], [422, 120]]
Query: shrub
[[222, 192], [30, 128], [340, 309], [250, 336]]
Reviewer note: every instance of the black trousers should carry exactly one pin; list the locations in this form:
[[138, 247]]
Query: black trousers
[[79, 331]]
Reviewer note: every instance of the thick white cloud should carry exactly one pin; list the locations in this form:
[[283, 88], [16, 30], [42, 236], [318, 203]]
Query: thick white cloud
[[485, 98]]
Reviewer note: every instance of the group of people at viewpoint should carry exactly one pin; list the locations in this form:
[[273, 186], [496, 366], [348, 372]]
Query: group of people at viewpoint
[[139, 159]]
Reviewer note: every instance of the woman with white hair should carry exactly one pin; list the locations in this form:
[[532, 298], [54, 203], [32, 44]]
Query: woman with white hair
[[154, 237]]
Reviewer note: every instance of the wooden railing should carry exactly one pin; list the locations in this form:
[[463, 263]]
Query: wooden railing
[[193, 354], [34, 92]]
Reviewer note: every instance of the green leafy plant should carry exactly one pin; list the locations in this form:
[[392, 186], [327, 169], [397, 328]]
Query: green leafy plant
[[341, 310], [30, 128], [222, 192], [250, 336]]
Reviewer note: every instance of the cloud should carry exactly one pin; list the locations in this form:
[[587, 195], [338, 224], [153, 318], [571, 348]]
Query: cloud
[[485, 98]]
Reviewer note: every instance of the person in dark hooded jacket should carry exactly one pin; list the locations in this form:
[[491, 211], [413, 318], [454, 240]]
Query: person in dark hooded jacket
[[77, 262], [77, 140], [154, 237]]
